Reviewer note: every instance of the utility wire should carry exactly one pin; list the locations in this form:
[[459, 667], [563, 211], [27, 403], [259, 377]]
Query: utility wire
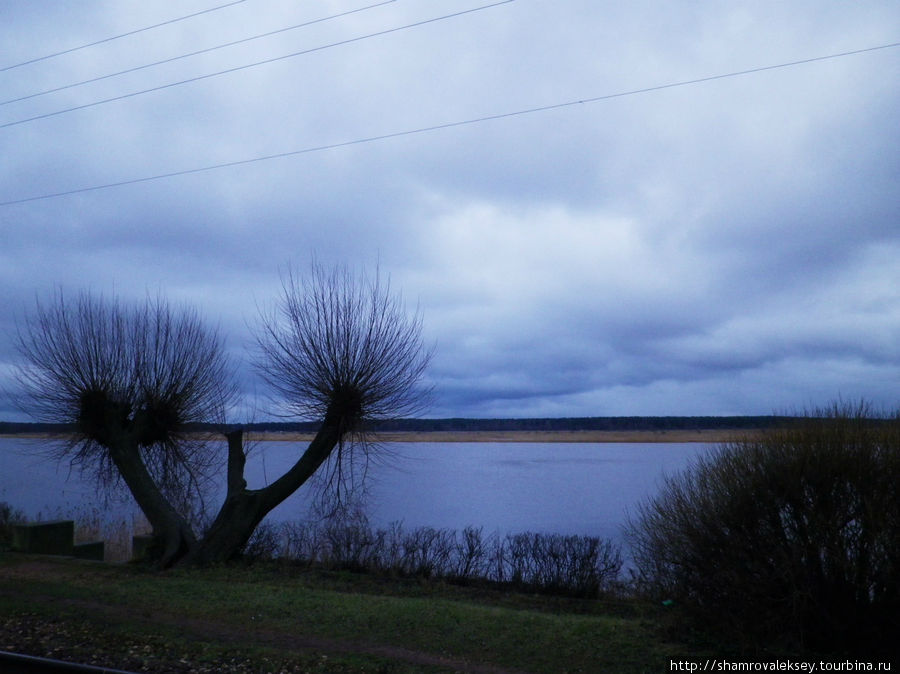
[[253, 65], [116, 37], [448, 125], [194, 53]]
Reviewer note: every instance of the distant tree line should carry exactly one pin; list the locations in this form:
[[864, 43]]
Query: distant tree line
[[461, 424], [582, 424]]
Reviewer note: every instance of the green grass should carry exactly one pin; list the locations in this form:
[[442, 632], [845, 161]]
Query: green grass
[[290, 619]]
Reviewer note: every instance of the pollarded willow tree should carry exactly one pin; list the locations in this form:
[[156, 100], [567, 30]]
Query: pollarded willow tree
[[129, 380], [340, 348]]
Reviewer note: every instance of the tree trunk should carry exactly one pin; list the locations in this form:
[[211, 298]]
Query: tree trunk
[[244, 508], [241, 512], [173, 536]]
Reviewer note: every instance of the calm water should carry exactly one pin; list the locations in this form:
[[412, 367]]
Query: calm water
[[503, 487]]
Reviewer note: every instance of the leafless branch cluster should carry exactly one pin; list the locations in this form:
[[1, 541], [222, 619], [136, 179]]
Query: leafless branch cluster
[[104, 368], [343, 346]]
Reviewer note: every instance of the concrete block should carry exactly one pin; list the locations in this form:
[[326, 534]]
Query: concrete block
[[140, 545], [93, 550], [47, 538]]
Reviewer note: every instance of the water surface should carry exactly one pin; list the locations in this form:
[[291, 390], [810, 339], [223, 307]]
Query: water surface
[[567, 488]]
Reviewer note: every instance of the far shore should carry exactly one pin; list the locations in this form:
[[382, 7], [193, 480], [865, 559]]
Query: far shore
[[710, 436]]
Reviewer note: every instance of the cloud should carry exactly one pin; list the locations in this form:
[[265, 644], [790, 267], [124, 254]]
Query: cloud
[[724, 247]]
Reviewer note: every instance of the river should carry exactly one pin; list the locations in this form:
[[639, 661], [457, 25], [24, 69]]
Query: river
[[504, 487]]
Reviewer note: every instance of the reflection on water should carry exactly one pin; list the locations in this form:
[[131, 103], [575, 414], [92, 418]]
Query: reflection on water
[[591, 461], [503, 487]]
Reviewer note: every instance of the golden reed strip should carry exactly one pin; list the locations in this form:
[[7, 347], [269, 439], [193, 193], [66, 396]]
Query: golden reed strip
[[710, 436]]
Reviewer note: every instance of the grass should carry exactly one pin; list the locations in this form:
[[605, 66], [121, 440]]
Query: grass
[[269, 618]]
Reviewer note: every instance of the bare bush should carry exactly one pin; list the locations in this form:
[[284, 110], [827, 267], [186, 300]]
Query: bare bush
[[9, 517], [300, 541], [265, 543], [580, 566], [573, 565], [790, 539], [427, 552], [471, 554]]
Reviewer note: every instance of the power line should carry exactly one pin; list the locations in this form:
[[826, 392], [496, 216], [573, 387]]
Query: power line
[[449, 125], [116, 37], [253, 65], [194, 53]]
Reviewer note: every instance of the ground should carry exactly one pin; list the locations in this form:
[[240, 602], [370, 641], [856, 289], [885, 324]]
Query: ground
[[240, 619]]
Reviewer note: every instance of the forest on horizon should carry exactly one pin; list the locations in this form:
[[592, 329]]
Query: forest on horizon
[[632, 423]]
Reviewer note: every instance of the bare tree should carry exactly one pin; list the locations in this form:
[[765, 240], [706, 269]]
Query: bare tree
[[339, 348], [129, 380]]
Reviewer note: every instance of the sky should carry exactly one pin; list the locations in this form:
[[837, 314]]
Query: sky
[[586, 229]]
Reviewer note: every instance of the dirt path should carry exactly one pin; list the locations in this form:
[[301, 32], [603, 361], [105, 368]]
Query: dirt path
[[222, 633]]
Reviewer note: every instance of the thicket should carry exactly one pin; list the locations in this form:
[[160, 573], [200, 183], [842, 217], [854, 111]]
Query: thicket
[[9, 516], [580, 566], [788, 541]]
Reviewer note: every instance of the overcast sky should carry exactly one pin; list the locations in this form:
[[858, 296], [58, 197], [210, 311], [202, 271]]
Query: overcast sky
[[723, 247]]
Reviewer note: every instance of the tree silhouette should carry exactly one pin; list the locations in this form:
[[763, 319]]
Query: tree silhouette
[[129, 380], [339, 348]]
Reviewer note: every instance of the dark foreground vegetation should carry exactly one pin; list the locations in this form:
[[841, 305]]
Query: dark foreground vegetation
[[286, 618], [788, 541], [575, 566]]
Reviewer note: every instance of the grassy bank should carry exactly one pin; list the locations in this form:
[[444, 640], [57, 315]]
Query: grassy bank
[[268, 618]]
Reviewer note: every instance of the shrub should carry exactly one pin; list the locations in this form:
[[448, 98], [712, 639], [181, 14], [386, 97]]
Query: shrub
[[573, 565], [580, 566], [263, 543], [427, 552], [788, 540], [9, 516], [471, 554]]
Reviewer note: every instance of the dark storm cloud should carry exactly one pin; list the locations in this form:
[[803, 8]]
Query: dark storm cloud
[[727, 247]]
